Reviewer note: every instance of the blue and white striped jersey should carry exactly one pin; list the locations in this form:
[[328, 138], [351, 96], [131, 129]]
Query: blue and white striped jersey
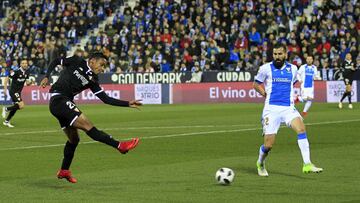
[[278, 83], [306, 75]]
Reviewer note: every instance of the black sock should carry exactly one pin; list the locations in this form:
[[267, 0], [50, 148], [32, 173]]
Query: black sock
[[13, 107], [101, 136], [343, 97], [69, 151], [349, 97], [11, 114]]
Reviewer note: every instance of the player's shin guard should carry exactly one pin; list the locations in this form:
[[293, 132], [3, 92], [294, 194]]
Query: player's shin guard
[[13, 107], [101, 136], [263, 152], [69, 151], [307, 106], [304, 147], [11, 114]]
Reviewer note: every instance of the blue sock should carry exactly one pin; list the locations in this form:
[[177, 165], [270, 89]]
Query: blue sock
[[264, 149], [263, 152]]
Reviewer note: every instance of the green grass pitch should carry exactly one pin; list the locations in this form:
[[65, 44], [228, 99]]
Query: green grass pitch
[[181, 148]]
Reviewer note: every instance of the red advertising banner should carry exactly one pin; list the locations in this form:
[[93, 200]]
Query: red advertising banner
[[228, 92], [320, 92], [38, 95]]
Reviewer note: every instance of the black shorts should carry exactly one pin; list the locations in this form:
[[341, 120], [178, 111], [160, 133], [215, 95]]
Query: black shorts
[[15, 97], [64, 110], [348, 81]]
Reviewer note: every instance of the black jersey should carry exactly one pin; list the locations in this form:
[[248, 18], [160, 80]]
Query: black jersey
[[75, 77], [18, 79], [348, 69]]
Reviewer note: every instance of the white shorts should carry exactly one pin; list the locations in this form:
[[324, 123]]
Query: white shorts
[[273, 116], [307, 93]]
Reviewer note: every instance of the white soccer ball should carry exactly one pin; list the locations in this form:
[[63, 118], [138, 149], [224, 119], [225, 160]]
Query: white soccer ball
[[225, 176]]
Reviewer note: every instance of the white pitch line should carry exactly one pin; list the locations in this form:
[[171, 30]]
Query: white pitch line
[[180, 135], [131, 128]]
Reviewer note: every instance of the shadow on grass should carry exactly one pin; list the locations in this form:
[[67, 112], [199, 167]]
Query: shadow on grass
[[253, 171], [53, 184]]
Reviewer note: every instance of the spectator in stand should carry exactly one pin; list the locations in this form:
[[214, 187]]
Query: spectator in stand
[[186, 30], [29, 28], [195, 75], [165, 66], [254, 37], [241, 44], [183, 67]]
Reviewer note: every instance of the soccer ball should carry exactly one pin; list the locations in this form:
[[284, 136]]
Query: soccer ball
[[224, 176]]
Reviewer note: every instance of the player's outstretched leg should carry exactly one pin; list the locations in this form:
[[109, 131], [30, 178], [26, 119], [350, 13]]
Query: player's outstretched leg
[[124, 146]]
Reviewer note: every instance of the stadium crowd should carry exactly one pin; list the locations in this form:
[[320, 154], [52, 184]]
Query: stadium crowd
[[187, 35], [227, 35], [47, 28]]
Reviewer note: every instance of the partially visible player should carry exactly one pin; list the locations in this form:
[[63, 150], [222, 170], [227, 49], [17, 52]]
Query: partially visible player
[[306, 75], [348, 70], [17, 84], [78, 75], [278, 78], [3, 76]]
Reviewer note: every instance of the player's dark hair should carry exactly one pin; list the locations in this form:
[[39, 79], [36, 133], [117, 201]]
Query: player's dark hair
[[279, 45], [310, 55], [97, 55]]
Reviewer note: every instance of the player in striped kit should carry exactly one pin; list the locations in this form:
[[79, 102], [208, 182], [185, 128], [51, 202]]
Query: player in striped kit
[[306, 75], [278, 78]]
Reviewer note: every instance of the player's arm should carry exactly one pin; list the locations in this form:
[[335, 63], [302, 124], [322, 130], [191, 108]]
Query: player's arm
[[52, 66], [29, 82], [96, 89], [295, 73], [259, 88], [353, 68], [117, 102], [50, 69], [317, 74], [259, 79], [300, 73]]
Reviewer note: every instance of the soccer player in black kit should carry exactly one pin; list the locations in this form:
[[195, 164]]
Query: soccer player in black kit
[[17, 84], [78, 75], [348, 69]]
